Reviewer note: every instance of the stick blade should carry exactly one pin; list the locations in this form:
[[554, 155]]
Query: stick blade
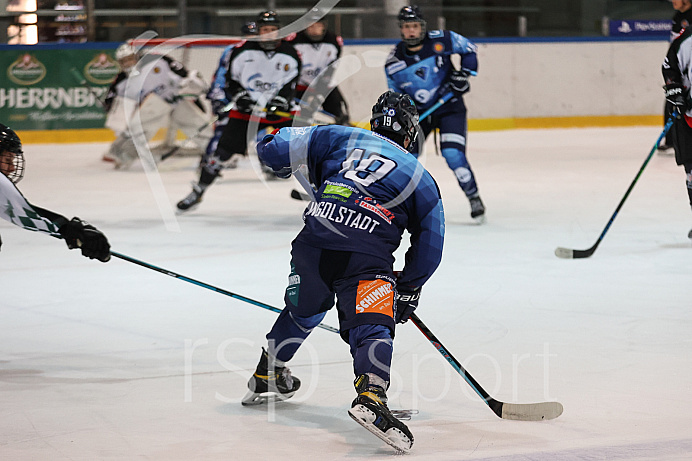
[[531, 411], [567, 253], [564, 253]]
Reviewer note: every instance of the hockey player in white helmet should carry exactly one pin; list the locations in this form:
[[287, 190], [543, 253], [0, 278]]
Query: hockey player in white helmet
[[152, 92], [17, 210]]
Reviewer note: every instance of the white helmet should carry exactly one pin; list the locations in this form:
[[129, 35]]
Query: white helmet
[[124, 51]]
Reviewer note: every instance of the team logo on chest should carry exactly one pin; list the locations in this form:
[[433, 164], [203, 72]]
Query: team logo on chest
[[422, 73]]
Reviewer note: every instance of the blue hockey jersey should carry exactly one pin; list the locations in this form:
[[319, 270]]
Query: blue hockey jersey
[[370, 191], [423, 75]]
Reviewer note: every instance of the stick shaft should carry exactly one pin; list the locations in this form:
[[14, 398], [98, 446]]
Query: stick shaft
[[209, 287]]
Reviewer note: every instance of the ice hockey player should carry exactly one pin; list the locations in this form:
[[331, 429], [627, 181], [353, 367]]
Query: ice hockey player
[[681, 21], [160, 93], [16, 209], [319, 49], [371, 189], [420, 66], [261, 82], [217, 94], [677, 74]]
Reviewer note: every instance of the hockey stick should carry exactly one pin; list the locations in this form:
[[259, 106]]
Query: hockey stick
[[209, 287], [305, 105], [82, 81], [568, 253], [516, 411], [437, 105]]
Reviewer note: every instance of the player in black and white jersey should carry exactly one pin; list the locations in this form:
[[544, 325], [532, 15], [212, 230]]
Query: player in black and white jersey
[[261, 82], [16, 209], [677, 74], [319, 48], [166, 94]]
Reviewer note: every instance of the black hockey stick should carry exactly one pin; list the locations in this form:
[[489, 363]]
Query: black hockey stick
[[210, 287], [516, 411], [298, 195], [568, 253]]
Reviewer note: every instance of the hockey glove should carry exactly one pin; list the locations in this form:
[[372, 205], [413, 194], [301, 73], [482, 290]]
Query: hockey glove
[[406, 302], [81, 234], [677, 96], [243, 102], [459, 82], [277, 104], [218, 107]]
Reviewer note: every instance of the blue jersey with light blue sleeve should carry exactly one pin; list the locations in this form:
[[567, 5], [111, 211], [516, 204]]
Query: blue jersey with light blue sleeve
[[423, 75], [218, 85], [370, 191]]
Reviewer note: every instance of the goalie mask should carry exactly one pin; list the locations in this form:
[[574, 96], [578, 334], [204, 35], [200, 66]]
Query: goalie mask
[[127, 57], [395, 116], [11, 155], [410, 14]]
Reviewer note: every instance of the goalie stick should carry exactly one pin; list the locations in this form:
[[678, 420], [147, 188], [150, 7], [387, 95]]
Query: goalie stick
[[515, 411], [209, 287], [83, 81], [567, 253]]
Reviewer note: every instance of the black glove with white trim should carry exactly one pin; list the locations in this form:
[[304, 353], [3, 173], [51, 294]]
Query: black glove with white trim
[[80, 234], [677, 96], [243, 102], [406, 302], [277, 104], [459, 82]]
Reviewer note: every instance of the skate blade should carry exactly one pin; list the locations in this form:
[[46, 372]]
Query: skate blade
[[403, 415], [480, 219], [254, 398], [393, 437]]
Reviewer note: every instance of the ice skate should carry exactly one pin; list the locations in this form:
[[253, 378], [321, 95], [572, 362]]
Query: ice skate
[[370, 410], [192, 200], [477, 209], [270, 383], [665, 149]]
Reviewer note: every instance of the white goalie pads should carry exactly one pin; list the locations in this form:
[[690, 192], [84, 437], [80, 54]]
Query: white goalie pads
[[148, 117], [189, 118], [192, 85]]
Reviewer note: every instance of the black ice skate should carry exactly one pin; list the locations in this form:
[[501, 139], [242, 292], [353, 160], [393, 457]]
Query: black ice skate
[[270, 382], [370, 410], [477, 209], [192, 199]]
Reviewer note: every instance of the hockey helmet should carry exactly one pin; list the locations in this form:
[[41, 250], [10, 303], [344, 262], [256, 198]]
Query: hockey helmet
[[395, 116], [11, 155], [268, 18], [412, 13], [127, 56], [249, 28], [317, 29]]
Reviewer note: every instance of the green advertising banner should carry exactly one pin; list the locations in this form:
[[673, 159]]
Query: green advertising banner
[[53, 88]]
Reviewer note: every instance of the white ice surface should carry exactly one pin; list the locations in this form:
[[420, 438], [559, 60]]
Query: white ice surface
[[116, 361]]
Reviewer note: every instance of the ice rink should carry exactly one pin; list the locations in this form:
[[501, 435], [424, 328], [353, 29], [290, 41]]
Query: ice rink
[[118, 362]]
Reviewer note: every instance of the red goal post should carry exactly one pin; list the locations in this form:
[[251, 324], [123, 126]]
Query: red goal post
[[200, 54]]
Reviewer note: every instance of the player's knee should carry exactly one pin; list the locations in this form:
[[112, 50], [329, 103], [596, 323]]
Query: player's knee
[[455, 157]]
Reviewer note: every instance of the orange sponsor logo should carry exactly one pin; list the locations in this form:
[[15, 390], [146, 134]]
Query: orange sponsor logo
[[375, 296]]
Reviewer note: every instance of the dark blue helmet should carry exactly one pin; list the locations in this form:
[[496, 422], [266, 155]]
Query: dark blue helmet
[[11, 155], [412, 13], [395, 116], [268, 18], [249, 28]]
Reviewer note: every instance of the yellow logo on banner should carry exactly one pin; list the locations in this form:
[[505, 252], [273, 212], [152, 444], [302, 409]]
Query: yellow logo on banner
[[26, 70], [102, 69]]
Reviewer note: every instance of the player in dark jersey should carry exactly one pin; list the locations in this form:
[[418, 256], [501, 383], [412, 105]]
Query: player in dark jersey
[[681, 20], [261, 82], [420, 66], [677, 74], [15, 209], [370, 190], [319, 49]]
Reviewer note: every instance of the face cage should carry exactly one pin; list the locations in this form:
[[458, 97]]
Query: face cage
[[414, 41], [18, 173]]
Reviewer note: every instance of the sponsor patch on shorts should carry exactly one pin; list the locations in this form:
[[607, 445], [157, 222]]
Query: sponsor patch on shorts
[[375, 296]]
